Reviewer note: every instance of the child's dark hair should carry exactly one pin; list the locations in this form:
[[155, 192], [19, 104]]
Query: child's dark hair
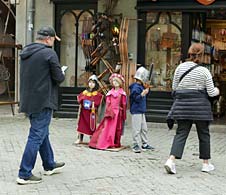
[[95, 88], [139, 81]]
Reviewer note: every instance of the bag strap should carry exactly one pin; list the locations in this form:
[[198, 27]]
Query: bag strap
[[189, 70]]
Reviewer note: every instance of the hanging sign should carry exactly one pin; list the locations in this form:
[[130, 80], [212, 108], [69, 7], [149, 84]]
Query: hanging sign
[[205, 2]]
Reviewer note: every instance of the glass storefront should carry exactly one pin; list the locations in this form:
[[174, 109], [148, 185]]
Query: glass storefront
[[74, 25], [67, 48], [163, 47]]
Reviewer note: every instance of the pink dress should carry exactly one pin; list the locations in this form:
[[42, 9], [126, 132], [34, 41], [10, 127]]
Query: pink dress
[[109, 131]]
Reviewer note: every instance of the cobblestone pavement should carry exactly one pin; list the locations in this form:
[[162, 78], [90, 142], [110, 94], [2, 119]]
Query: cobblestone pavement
[[95, 172]]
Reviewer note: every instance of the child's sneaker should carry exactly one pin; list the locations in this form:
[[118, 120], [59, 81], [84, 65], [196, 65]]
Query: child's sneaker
[[78, 141], [170, 167], [136, 149], [147, 147], [207, 167]]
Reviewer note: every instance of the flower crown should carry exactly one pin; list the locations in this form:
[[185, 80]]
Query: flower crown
[[115, 75]]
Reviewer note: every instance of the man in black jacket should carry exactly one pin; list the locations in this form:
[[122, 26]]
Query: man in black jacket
[[40, 75]]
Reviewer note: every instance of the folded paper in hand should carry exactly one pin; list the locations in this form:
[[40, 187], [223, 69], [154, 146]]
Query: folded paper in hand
[[64, 68]]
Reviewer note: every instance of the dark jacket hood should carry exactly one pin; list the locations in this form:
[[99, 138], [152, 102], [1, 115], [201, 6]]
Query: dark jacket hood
[[32, 48]]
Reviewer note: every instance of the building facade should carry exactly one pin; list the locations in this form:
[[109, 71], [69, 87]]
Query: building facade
[[160, 32]]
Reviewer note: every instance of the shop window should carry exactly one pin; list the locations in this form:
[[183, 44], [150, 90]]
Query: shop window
[[74, 25], [85, 24], [163, 47], [67, 48]]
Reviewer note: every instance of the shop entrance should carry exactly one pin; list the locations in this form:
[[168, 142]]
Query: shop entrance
[[165, 35], [216, 28], [73, 21]]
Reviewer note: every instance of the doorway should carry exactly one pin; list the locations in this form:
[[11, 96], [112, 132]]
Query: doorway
[[73, 21], [216, 28]]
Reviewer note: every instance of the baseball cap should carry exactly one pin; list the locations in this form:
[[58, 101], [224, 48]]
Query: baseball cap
[[48, 31]]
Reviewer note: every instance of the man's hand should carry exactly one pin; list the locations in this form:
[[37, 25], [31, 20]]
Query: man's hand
[[64, 68]]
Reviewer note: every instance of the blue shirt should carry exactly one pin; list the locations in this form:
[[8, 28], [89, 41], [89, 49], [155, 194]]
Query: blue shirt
[[137, 102]]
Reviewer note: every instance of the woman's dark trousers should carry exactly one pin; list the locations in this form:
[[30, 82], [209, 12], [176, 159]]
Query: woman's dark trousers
[[182, 132]]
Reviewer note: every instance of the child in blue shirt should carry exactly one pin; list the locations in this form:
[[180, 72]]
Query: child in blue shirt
[[137, 98]]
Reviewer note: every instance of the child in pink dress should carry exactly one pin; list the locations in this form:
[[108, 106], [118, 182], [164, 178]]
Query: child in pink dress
[[89, 101], [108, 133]]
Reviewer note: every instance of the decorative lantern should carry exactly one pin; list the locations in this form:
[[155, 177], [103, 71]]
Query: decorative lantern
[[115, 28]]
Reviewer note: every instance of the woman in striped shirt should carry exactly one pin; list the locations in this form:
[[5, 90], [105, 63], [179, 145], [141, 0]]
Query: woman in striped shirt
[[191, 105]]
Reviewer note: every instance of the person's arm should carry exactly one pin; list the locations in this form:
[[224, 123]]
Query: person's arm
[[108, 109], [145, 92], [55, 69], [80, 98], [211, 90], [136, 95], [176, 78]]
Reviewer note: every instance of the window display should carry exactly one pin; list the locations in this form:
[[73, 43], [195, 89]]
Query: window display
[[76, 23], [163, 47]]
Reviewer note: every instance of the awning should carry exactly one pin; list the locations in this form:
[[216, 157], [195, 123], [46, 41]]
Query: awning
[[174, 5]]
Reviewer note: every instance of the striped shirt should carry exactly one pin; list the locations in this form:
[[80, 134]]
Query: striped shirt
[[198, 79]]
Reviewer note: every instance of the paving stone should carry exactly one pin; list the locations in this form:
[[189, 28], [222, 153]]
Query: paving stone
[[95, 172]]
